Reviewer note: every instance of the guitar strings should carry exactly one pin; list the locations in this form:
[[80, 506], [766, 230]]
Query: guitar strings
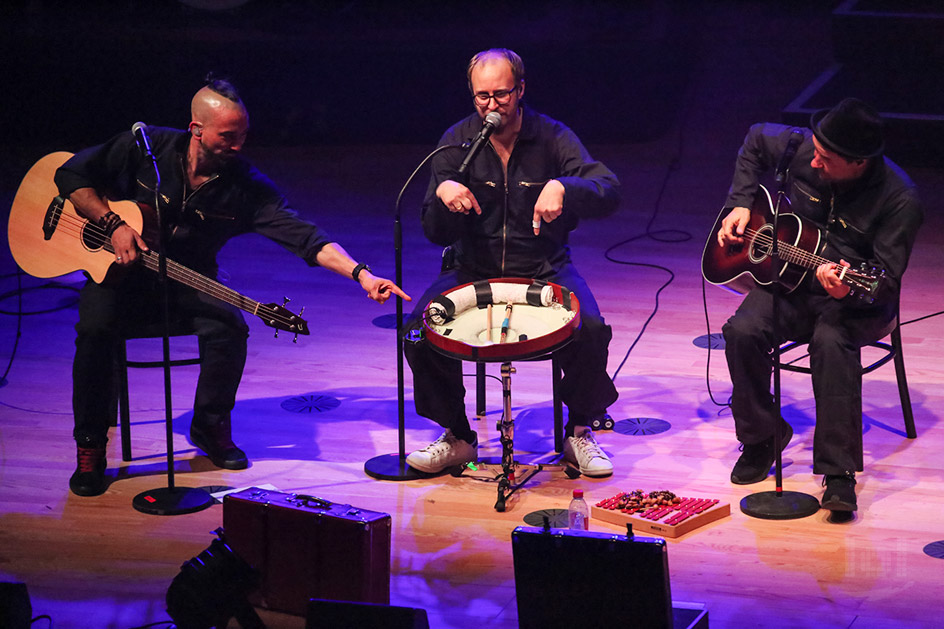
[[798, 255], [75, 225], [176, 271]]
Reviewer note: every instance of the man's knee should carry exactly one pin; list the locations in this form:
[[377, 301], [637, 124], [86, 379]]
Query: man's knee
[[828, 339], [740, 328], [733, 331], [596, 328], [223, 329]]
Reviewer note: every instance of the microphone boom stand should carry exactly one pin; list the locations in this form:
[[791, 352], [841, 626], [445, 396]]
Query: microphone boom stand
[[394, 466], [778, 504], [170, 500]]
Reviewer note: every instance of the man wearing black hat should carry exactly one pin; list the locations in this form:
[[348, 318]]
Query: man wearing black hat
[[869, 212]]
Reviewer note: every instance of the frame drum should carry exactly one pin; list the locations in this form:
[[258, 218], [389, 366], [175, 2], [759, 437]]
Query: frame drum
[[544, 317]]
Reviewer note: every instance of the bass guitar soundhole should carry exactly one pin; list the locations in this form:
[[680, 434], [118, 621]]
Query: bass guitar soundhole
[[92, 237]]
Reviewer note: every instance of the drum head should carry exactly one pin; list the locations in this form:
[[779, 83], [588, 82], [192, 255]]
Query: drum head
[[542, 318]]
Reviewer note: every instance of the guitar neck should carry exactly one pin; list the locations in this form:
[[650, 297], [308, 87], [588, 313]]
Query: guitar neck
[[188, 277], [801, 257]]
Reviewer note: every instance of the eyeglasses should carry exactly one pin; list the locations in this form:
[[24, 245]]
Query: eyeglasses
[[502, 97]]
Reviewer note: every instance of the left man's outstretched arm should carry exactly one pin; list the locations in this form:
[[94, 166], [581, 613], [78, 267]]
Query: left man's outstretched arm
[[333, 257]]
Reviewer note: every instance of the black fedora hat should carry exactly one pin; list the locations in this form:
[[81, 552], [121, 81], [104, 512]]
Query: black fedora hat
[[852, 128]]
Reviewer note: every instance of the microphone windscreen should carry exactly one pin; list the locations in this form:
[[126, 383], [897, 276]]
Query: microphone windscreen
[[493, 118]]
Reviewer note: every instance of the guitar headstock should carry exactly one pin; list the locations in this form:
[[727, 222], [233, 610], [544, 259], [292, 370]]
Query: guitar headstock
[[864, 281], [281, 318]]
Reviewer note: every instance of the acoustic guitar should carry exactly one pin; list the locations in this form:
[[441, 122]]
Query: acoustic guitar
[[48, 238], [800, 244]]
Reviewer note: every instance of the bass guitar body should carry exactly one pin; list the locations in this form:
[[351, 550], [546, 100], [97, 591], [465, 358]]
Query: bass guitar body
[[48, 238]]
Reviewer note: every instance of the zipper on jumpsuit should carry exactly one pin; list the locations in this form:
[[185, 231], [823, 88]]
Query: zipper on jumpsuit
[[504, 202]]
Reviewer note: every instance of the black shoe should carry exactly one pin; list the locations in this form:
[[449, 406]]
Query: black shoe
[[216, 442], [755, 461], [840, 492], [89, 476]]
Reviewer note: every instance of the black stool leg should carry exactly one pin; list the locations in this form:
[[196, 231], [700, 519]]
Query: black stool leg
[[480, 389], [903, 385], [558, 405], [124, 410]]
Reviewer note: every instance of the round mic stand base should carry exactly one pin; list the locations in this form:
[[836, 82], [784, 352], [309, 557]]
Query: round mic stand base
[[172, 501], [391, 467], [779, 505]]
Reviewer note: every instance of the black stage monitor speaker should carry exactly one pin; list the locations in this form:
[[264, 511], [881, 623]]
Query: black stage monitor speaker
[[15, 609], [324, 614], [567, 578]]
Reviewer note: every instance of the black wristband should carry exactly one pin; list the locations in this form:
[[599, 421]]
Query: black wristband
[[110, 222], [357, 271]]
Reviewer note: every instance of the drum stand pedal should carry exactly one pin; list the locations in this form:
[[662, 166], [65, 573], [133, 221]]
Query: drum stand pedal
[[510, 474]]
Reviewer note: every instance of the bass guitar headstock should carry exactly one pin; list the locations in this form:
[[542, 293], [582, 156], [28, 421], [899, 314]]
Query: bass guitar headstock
[[281, 318]]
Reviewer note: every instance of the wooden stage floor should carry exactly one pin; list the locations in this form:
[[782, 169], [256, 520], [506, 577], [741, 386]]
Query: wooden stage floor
[[309, 415]]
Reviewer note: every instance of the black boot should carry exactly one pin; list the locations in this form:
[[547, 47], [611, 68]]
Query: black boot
[[840, 492], [755, 461], [89, 476], [216, 441]]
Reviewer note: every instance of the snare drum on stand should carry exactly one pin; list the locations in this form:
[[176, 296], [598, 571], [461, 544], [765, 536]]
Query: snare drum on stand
[[502, 320]]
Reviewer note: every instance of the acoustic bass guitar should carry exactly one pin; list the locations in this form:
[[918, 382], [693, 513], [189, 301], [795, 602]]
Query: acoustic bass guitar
[[48, 238]]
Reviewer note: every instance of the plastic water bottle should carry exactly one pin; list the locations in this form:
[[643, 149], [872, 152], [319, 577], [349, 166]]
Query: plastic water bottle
[[578, 513]]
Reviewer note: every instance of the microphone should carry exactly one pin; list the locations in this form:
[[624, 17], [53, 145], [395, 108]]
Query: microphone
[[492, 122], [796, 136], [139, 130]]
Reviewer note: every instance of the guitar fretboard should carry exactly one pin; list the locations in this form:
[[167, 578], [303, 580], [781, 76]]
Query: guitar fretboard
[[93, 236], [801, 257]]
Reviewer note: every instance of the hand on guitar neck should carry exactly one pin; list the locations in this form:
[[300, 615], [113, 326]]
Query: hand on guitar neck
[[125, 241], [831, 276]]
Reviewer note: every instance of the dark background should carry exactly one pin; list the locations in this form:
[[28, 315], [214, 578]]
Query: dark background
[[339, 72], [370, 72]]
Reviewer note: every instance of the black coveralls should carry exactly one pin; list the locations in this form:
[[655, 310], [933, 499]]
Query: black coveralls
[[501, 243], [238, 200]]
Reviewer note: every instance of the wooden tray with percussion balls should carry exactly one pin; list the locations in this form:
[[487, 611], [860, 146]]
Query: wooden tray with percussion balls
[[660, 512]]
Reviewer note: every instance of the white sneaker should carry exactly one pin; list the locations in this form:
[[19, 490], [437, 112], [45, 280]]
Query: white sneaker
[[583, 450], [447, 451]]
